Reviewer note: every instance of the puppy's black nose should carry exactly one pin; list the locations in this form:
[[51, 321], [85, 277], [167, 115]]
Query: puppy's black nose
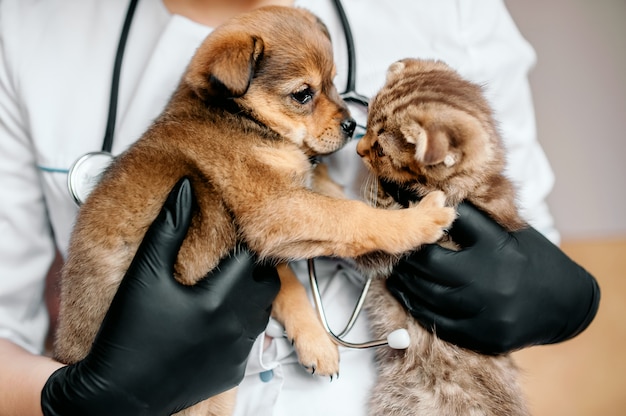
[[348, 125]]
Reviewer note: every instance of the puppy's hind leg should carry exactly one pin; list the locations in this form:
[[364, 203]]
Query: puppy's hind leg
[[292, 308]]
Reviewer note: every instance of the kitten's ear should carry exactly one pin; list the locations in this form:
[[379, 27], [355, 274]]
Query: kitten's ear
[[394, 70], [431, 145], [224, 64]]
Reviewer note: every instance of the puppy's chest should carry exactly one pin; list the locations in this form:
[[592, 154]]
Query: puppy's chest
[[285, 163]]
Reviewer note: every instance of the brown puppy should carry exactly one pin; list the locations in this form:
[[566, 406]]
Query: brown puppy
[[257, 101]]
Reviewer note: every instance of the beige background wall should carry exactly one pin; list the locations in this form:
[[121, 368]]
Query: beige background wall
[[579, 86]]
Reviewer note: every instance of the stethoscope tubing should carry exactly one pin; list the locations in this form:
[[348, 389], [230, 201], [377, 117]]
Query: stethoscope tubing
[[107, 143], [349, 94], [319, 306]]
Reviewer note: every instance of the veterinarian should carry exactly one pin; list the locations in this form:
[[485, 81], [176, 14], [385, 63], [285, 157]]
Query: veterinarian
[[505, 292]]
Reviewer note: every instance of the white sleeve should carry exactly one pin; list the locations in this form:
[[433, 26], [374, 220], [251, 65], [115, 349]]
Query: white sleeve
[[26, 244], [501, 60]]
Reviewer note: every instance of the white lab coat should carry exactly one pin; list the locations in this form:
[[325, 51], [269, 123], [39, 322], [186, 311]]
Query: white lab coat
[[56, 59]]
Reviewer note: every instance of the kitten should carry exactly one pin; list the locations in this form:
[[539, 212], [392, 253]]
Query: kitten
[[429, 129]]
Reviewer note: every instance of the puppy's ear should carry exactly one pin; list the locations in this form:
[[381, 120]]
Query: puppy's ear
[[322, 26], [224, 64]]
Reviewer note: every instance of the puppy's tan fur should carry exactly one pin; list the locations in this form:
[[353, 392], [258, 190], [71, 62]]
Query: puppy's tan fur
[[256, 102], [429, 129]]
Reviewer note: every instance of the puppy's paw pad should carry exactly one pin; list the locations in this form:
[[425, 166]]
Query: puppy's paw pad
[[433, 207], [434, 199]]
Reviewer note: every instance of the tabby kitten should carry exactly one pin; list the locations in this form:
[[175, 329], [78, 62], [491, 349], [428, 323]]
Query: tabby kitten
[[429, 129]]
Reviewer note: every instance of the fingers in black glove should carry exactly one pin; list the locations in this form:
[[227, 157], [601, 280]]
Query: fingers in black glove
[[164, 346], [501, 292]]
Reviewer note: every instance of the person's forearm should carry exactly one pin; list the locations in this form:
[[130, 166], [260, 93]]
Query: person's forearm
[[22, 377]]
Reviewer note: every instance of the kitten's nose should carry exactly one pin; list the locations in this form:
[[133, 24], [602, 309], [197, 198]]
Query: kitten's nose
[[360, 148], [348, 125]]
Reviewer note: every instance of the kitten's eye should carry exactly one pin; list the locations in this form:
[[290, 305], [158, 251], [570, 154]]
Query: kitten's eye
[[376, 147], [304, 95]]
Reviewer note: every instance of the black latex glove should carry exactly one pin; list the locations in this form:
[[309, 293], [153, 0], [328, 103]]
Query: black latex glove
[[163, 346], [502, 292]]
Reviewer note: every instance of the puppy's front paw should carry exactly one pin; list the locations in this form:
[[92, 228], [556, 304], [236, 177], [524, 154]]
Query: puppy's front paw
[[434, 216], [316, 351]]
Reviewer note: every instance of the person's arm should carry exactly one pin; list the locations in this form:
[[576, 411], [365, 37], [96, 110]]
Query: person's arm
[[22, 377], [158, 332], [503, 291]]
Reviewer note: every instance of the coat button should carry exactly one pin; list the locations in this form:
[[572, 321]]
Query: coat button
[[266, 376]]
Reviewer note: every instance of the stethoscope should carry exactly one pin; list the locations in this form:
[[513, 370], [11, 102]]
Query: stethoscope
[[86, 171], [399, 338]]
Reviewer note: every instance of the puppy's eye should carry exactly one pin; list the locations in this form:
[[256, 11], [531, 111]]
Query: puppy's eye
[[303, 96]]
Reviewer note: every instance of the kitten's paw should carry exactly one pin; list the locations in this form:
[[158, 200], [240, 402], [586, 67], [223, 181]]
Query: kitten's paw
[[317, 353]]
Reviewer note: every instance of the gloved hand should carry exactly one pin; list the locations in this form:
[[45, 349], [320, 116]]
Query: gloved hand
[[502, 292], [163, 346]]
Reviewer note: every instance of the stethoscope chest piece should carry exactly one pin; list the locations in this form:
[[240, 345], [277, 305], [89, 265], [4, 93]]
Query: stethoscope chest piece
[[85, 174]]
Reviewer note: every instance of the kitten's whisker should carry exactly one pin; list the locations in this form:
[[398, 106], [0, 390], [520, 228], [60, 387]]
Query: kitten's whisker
[[370, 189], [374, 191]]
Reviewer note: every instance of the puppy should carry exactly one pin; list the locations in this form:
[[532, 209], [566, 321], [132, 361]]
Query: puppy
[[256, 103]]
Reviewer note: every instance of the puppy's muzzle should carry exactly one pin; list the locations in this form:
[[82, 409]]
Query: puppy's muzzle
[[347, 127]]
